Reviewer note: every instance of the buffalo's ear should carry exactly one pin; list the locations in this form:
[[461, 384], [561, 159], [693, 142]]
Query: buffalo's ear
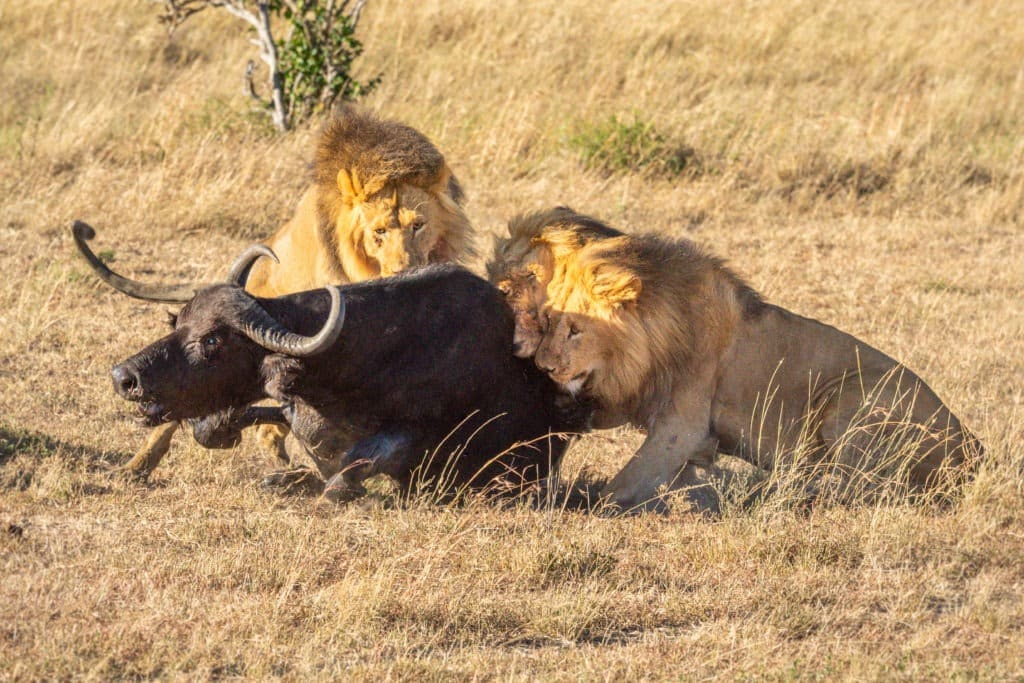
[[614, 285], [349, 186]]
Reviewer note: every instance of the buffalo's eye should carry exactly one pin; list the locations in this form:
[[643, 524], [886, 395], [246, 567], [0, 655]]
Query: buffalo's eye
[[211, 341]]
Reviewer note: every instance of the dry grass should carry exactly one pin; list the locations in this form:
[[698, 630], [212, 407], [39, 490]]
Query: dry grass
[[857, 162]]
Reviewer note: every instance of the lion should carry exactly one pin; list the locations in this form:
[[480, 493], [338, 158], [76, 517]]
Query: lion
[[383, 199], [665, 337], [523, 263]]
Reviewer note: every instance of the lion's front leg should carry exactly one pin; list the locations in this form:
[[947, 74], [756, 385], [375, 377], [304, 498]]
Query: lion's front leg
[[679, 436]]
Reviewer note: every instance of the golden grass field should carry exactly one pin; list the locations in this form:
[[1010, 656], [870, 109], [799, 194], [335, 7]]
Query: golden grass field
[[861, 163]]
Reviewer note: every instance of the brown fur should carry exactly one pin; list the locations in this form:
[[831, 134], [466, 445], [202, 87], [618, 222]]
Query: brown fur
[[524, 262], [383, 199], [667, 338]]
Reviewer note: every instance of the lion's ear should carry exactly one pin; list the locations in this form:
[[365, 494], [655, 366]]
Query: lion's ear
[[614, 285], [538, 271], [349, 186], [447, 185]]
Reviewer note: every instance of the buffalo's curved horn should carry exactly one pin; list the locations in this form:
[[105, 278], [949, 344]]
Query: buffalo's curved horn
[[173, 294], [239, 272], [259, 326]]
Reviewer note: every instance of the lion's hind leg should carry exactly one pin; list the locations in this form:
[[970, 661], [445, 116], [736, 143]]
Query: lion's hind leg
[[885, 432]]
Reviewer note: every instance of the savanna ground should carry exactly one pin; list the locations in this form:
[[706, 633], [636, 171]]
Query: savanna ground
[[857, 162]]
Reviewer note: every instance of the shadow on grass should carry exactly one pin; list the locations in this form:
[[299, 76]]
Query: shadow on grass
[[38, 447], [579, 494]]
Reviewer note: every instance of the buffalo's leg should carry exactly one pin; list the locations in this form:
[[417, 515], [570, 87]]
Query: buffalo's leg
[[280, 417], [387, 452], [152, 452], [294, 479], [273, 425]]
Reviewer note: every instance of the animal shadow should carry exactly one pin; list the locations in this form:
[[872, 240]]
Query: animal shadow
[[24, 453]]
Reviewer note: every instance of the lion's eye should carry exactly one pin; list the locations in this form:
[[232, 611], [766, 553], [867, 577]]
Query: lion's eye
[[380, 232], [574, 330], [418, 225]]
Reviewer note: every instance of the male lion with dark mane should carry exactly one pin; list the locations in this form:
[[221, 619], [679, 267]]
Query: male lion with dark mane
[[382, 200], [524, 263], [665, 337]]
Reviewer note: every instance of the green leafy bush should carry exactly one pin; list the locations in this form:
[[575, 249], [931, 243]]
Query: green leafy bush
[[311, 67], [617, 145]]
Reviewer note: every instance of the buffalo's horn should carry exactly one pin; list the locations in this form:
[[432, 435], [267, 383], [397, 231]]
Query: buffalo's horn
[[259, 326], [239, 272], [174, 294]]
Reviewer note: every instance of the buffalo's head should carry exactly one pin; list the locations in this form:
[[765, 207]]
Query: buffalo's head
[[211, 361]]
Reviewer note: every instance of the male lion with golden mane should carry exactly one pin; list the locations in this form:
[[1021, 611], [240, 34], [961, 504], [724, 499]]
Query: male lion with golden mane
[[382, 200], [524, 263], [665, 337]]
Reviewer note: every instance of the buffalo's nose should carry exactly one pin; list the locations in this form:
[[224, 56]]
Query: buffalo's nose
[[126, 381]]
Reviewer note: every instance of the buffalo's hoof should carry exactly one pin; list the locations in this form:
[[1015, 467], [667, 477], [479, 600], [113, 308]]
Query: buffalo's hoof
[[298, 480], [344, 493]]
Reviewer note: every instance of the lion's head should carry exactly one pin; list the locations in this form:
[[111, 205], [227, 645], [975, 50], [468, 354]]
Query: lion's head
[[525, 262], [387, 200], [589, 320], [619, 317], [524, 288]]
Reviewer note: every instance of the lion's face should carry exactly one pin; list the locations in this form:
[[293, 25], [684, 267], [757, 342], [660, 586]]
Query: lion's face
[[588, 308], [572, 349], [401, 229], [523, 288]]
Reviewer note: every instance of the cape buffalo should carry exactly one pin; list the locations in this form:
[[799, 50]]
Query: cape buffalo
[[404, 376]]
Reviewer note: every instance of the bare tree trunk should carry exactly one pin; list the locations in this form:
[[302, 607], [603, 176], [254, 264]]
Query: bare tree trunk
[[268, 53], [316, 32]]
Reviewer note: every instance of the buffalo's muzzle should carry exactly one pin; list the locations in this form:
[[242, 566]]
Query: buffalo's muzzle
[[126, 382]]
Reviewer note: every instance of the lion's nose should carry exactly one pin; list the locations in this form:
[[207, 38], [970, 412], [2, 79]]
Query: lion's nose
[[126, 381], [546, 367]]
